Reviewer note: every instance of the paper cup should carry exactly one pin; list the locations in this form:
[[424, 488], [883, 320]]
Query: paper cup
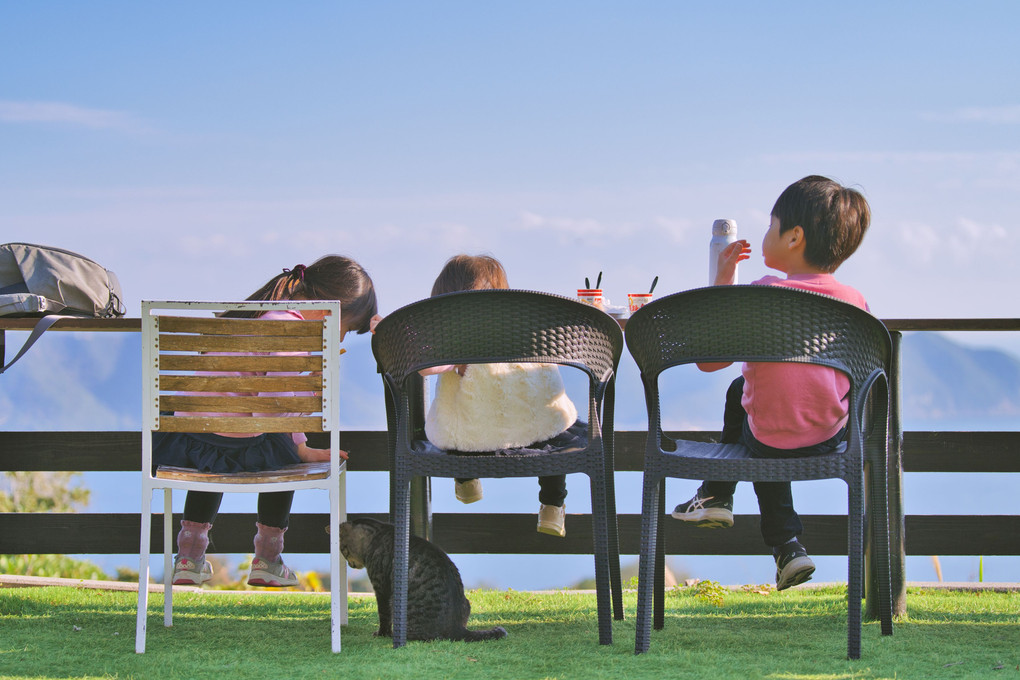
[[591, 296], [636, 301]]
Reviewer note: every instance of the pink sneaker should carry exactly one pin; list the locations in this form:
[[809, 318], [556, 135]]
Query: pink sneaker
[[188, 572], [272, 575]]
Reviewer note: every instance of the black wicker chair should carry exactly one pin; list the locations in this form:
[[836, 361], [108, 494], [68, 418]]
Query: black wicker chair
[[500, 326], [767, 323]]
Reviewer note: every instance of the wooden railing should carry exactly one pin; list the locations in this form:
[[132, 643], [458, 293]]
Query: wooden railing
[[117, 533]]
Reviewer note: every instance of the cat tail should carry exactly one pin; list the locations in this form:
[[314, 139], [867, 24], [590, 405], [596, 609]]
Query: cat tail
[[490, 634]]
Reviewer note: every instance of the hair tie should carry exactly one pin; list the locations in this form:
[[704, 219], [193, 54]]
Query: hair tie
[[299, 270]]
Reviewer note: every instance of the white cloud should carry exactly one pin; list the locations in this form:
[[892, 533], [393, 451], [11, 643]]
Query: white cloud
[[67, 114], [965, 241], [573, 227], [676, 230], [998, 115]]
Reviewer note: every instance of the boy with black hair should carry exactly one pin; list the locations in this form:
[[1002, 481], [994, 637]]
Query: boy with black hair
[[783, 410]]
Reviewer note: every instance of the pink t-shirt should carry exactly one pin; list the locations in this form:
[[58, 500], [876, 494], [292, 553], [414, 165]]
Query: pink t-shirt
[[790, 406]]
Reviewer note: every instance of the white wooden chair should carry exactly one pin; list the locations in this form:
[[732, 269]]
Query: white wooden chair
[[181, 355]]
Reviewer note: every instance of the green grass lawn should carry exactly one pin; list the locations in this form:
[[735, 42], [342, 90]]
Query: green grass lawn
[[66, 632]]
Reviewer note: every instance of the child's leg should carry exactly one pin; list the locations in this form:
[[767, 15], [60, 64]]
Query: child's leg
[[780, 523], [712, 505], [190, 566], [200, 509], [267, 567], [274, 518], [780, 527], [552, 490], [734, 417], [552, 513]]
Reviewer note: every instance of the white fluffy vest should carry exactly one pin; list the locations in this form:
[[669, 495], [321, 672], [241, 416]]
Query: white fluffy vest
[[499, 406]]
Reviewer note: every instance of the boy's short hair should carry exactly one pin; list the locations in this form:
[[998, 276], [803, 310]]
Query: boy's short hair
[[833, 217]]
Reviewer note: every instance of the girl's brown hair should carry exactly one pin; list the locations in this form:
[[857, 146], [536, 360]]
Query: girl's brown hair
[[333, 277], [470, 272]]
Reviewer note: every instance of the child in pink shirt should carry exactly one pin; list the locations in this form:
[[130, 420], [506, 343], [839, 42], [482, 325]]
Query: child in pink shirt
[[785, 410]]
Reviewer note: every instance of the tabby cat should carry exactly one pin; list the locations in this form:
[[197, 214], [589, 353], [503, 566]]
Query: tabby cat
[[436, 606]]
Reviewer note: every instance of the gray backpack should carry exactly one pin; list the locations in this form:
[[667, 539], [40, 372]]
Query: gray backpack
[[53, 283]]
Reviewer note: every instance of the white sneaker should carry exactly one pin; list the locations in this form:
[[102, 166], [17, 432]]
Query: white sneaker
[[468, 491], [552, 520]]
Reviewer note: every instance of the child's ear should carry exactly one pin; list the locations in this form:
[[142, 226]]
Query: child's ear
[[795, 237]]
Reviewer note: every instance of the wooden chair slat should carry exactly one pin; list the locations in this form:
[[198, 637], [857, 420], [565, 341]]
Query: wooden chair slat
[[184, 362], [221, 383], [291, 473], [233, 326], [239, 404], [237, 343], [240, 425]]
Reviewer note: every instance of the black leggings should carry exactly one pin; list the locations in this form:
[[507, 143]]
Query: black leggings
[[273, 508]]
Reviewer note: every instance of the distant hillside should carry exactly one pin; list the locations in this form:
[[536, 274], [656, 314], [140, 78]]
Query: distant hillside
[[945, 386], [73, 381], [945, 380]]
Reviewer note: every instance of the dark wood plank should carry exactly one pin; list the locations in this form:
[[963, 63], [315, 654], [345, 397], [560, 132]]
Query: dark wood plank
[[477, 533], [121, 450], [122, 325], [961, 451], [134, 324], [988, 324]]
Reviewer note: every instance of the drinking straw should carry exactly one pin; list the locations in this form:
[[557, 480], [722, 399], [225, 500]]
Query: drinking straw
[[587, 283], [598, 281], [654, 281]]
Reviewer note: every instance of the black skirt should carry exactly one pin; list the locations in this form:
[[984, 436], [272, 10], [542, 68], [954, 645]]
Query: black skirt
[[216, 453]]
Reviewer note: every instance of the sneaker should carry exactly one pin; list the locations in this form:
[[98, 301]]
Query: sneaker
[[468, 491], [189, 572], [793, 566], [271, 574], [552, 520], [707, 512]]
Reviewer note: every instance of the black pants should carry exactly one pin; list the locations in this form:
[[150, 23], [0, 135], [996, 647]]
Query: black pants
[[779, 521], [552, 490], [273, 508]]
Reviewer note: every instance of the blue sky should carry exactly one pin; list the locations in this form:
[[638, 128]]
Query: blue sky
[[197, 149]]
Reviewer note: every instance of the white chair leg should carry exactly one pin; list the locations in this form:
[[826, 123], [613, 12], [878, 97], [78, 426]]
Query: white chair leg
[[343, 561], [336, 618], [168, 561], [143, 570]]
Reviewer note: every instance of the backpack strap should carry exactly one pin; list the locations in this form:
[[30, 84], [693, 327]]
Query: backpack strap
[[40, 327]]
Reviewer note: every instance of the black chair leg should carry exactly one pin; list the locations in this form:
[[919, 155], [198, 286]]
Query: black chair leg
[[646, 565], [659, 619]]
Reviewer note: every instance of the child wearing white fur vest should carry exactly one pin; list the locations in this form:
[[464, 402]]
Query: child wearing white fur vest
[[489, 407]]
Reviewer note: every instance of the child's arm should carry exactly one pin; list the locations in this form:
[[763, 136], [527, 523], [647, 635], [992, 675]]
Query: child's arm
[[436, 370], [726, 274], [726, 269], [309, 455]]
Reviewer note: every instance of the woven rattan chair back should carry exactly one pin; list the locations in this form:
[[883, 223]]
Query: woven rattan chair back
[[500, 326], [773, 324]]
